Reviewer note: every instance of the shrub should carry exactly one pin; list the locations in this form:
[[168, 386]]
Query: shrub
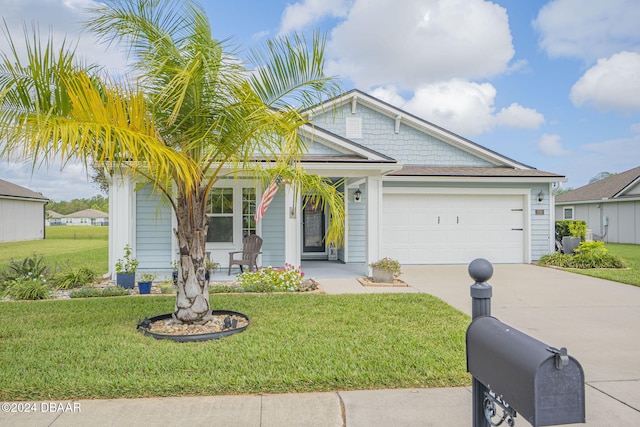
[[89, 292], [588, 255], [31, 266], [28, 288], [128, 264], [74, 278], [565, 228], [270, 279]]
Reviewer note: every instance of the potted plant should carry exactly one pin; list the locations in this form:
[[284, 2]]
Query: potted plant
[[211, 267], [126, 269], [385, 270], [144, 283]]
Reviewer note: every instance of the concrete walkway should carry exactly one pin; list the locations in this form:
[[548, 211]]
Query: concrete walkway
[[597, 320]]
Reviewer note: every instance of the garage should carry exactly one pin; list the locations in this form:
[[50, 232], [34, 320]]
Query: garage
[[453, 228]]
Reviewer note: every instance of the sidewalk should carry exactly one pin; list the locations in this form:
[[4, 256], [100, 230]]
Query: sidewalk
[[595, 319]]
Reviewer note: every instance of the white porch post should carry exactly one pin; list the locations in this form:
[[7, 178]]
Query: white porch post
[[122, 212], [374, 218], [292, 240]]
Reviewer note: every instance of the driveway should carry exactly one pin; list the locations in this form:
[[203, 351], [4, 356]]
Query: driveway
[[598, 321]]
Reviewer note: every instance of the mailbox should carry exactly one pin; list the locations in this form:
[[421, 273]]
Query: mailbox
[[543, 384]]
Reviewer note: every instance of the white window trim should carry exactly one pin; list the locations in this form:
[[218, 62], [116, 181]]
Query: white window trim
[[573, 212], [237, 185]]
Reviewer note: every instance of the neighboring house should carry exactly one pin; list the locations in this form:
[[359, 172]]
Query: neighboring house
[[54, 218], [21, 213], [611, 207], [413, 191], [86, 217]]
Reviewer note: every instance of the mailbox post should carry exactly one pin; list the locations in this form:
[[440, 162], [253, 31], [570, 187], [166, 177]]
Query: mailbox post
[[515, 372], [480, 271]]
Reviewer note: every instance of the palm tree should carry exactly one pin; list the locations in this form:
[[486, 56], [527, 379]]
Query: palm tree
[[188, 114]]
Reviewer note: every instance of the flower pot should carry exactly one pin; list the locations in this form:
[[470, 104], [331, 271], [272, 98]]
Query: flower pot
[[144, 287], [382, 276], [126, 280]]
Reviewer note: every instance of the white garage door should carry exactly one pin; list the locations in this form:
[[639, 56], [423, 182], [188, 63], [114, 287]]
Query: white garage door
[[453, 229]]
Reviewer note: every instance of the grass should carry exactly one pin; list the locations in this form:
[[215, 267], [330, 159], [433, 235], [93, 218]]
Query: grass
[[64, 246], [71, 349], [631, 276]]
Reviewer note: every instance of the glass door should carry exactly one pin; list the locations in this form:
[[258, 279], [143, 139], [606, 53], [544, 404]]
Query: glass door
[[313, 228]]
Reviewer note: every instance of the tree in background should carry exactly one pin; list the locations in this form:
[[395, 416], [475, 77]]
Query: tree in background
[[600, 177], [98, 202], [189, 114]]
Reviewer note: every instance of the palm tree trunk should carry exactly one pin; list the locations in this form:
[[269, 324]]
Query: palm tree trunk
[[192, 300]]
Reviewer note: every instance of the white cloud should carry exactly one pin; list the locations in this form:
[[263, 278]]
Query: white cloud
[[416, 42], [588, 29], [62, 20], [515, 115], [590, 159], [464, 107], [551, 145], [67, 184], [612, 84], [305, 13]]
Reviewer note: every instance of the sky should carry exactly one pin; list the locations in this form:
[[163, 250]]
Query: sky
[[551, 84]]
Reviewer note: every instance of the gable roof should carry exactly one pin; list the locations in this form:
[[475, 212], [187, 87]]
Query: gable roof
[[10, 190], [355, 97], [88, 213], [613, 187]]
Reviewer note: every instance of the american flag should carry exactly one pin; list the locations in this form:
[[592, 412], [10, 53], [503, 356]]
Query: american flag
[[267, 197]]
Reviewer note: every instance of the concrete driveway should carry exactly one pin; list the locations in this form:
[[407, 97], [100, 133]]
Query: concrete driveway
[[598, 321]]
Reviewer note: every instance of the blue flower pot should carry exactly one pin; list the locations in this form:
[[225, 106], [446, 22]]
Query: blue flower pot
[[126, 280], [144, 287]]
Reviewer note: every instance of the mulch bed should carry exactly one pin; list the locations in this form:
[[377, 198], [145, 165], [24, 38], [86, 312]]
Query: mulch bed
[[368, 281]]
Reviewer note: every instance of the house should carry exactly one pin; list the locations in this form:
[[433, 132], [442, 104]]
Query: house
[[413, 191], [21, 213], [54, 218], [611, 207], [86, 217]]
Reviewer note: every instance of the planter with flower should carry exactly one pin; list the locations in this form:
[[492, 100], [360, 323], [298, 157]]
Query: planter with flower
[[144, 283], [385, 270], [126, 269]]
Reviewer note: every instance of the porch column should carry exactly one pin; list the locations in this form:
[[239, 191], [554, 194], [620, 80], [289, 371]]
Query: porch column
[[122, 213], [374, 218], [292, 214]]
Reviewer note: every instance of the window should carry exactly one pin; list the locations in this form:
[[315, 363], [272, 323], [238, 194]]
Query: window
[[567, 213], [248, 211], [220, 213]]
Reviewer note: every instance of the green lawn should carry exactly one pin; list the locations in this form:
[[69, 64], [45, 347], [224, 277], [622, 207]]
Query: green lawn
[[72, 246], [72, 349], [631, 276]]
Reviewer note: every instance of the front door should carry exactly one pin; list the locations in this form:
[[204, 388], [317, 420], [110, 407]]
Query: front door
[[313, 228]]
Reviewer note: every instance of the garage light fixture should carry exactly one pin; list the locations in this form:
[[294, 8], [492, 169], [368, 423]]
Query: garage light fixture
[[357, 195], [540, 196]]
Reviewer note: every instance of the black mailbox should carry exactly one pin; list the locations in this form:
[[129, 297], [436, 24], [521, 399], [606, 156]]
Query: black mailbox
[[543, 384]]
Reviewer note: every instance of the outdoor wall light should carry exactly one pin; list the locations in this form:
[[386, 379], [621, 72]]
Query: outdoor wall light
[[357, 195], [540, 196]]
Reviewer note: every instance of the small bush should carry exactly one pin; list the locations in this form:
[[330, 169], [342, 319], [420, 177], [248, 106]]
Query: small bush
[[31, 266], [74, 278], [89, 292], [270, 279], [588, 255], [28, 288], [572, 228]]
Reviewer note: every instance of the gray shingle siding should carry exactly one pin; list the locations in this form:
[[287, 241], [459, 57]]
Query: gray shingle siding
[[408, 146]]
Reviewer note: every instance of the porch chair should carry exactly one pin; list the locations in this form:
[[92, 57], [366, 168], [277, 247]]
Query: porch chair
[[251, 246]]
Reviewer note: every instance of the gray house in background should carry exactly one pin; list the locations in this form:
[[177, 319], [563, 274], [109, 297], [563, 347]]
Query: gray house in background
[[21, 213], [611, 207]]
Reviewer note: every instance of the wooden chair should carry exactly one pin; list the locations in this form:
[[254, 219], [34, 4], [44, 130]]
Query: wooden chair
[[251, 246]]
